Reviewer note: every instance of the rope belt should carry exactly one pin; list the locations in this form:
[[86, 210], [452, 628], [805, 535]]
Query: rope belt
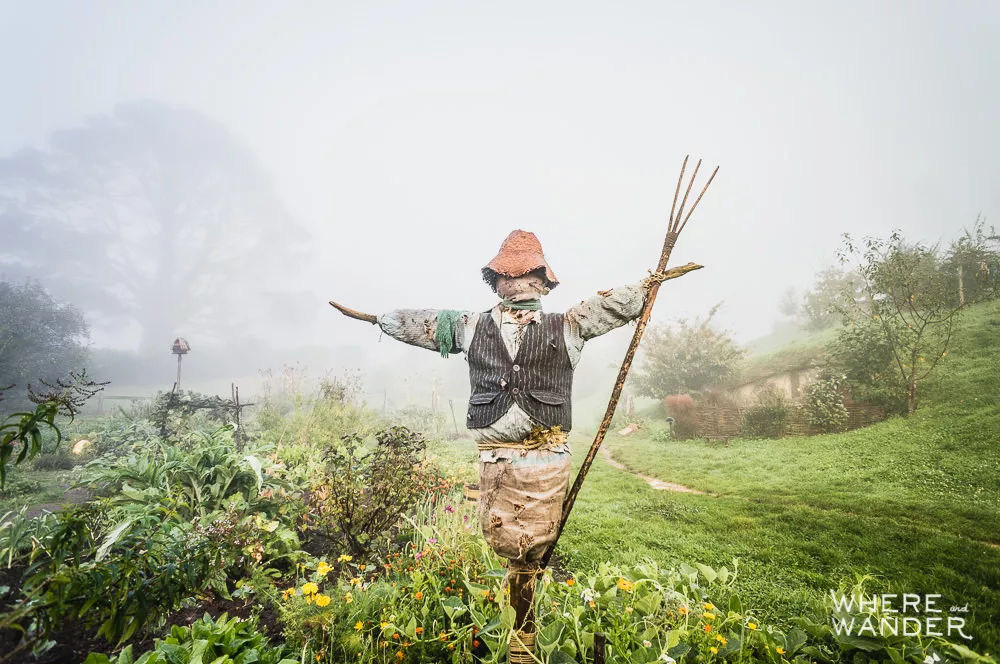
[[521, 647], [539, 438]]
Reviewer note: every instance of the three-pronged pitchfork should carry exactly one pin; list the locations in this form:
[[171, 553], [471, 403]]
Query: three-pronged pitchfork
[[673, 231]]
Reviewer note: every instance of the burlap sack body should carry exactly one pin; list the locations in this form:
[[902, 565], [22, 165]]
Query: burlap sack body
[[520, 504]]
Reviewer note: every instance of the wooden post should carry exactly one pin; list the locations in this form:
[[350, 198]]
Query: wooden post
[[179, 356], [598, 647], [522, 598], [454, 419], [961, 287]]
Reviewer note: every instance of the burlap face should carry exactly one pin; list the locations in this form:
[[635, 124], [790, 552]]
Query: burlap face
[[520, 504]]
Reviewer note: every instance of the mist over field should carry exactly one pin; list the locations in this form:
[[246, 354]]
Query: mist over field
[[220, 170]]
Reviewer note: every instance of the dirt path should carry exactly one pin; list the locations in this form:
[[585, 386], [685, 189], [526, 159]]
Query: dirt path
[[71, 497], [660, 485]]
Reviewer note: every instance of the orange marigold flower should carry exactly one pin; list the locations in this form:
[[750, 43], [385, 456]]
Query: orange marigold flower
[[475, 643], [420, 630], [570, 582], [419, 596], [399, 654], [707, 628]]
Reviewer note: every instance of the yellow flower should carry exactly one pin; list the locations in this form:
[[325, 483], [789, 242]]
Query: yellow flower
[[591, 604], [355, 581], [383, 624], [348, 599], [323, 568], [359, 625], [714, 651], [709, 616], [362, 567], [344, 559], [322, 600], [720, 638], [310, 588], [779, 650], [709, 606], [285, 594], [751, 625], [309, 599], [624, 585], [628, 609]]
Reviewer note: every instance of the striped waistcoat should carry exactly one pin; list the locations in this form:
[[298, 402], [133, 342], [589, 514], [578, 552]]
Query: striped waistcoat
[[539, 380]]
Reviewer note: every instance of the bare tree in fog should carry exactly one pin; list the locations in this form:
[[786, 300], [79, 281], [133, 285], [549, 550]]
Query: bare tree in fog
[[156, 215]]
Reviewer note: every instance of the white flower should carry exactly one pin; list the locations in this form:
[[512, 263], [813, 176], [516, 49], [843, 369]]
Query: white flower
[[668, 659], [931, 659], [646, 644], [589, 595]]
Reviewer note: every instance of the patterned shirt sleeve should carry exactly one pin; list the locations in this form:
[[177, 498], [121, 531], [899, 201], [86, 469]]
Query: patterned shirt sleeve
[[605, 312], [418, 327]]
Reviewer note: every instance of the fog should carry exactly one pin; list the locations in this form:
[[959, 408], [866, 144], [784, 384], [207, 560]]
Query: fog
[[406, 140]]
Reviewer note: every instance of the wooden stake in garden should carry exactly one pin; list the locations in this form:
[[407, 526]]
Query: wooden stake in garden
[[677, 223]]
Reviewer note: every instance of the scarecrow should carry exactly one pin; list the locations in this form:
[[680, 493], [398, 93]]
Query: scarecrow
[[521, 361]]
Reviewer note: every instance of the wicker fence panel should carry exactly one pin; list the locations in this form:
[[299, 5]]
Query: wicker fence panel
[[716, 421]]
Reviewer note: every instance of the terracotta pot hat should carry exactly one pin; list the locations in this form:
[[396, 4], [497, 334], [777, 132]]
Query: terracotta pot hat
[[520, 254]]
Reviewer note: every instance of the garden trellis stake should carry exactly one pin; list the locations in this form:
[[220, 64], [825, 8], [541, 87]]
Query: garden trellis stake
[[674, 230]]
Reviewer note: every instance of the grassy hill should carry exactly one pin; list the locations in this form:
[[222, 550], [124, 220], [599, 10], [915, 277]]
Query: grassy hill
[[915, 502]]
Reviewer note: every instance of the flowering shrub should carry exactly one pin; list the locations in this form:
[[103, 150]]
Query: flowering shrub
[[366, 489]]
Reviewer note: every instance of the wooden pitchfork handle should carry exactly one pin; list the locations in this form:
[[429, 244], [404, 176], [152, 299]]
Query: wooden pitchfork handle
[[677, 223], [351, 313]]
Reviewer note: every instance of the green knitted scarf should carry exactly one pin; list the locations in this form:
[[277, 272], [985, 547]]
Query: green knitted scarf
[[445, 333]]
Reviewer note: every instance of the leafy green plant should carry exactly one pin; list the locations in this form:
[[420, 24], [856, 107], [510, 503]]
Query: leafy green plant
[[199, 477], [767, 418], [223, 640], [368, 486], [824, 403], [19, 534]]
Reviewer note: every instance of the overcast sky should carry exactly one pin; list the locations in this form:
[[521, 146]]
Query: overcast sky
[[411, 137]]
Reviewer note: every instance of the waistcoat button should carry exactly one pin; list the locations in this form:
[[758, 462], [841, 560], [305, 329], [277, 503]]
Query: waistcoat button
[[516, 391], [517, 367]]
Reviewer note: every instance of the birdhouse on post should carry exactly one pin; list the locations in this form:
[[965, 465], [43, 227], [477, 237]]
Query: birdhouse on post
[[180, 349]]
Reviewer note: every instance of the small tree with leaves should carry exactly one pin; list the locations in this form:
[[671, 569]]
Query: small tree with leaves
[[907, 299], [686, 359]]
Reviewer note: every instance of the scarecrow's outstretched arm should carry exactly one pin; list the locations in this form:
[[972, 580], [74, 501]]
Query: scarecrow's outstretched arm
[[443, 330]]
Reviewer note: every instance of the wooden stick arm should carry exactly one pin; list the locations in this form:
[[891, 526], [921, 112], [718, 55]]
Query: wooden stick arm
[[681, 270], [351, 313]]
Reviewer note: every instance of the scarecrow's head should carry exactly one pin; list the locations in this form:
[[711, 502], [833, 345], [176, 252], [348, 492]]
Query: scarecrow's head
[[520, 272]]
